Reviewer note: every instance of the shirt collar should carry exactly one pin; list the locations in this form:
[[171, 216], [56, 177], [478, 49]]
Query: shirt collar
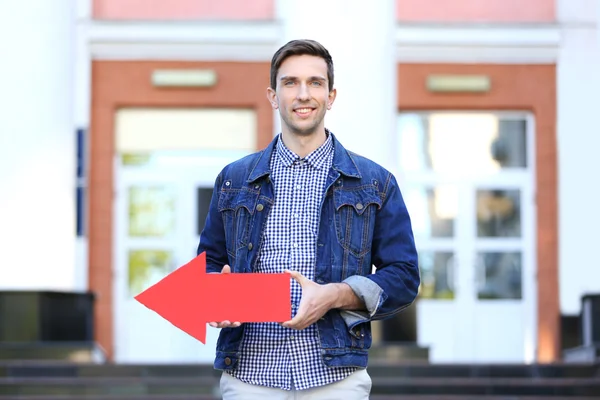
[[316, 158]]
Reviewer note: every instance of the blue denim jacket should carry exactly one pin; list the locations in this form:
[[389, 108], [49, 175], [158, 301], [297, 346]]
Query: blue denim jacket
[[364, 222]]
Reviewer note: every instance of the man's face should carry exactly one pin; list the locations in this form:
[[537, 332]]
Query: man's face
[[302, 94]]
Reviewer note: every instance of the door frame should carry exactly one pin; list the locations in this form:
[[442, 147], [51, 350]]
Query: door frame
[[116, 84], [517, 87]]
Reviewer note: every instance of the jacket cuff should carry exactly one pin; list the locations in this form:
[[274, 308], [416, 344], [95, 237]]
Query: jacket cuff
[[370, 293]]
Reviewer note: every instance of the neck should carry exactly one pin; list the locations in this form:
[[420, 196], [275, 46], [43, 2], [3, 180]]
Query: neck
[[303, 145]]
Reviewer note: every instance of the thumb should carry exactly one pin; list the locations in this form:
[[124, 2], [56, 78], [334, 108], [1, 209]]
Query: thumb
[[297, 276], [226, 269]]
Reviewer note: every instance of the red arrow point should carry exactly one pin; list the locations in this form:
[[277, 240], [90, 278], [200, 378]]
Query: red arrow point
[[189, 298], [177, 297]]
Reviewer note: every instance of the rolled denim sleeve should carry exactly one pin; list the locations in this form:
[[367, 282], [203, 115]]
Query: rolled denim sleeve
[[395, 283], [371, 294]]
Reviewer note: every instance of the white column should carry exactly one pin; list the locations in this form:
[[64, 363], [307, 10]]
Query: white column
[[37, 152], [82, 82], [578, 132], [360, 37]]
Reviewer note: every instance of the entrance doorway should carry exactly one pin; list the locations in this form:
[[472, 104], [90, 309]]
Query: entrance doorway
[[468, 183], [163, 185]]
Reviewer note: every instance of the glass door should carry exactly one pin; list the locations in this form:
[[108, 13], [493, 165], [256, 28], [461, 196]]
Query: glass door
[[468, 185], [160, 209]]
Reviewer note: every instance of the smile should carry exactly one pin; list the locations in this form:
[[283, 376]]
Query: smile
[[303, 111]]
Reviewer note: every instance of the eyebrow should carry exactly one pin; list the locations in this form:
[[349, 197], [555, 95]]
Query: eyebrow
[[310, 78]]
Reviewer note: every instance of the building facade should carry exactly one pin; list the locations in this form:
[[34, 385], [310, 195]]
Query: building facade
[[484, 110]]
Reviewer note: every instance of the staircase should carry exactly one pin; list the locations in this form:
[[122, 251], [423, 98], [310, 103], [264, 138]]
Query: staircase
[[66, 380]]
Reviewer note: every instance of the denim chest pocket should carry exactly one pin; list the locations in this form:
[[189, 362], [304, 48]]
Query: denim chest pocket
[[236, 207], [355, 217]]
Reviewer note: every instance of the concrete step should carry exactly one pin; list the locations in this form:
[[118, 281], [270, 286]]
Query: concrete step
[[209, 397], [72, 352], [108, 386], [376, 369], [202, 385]]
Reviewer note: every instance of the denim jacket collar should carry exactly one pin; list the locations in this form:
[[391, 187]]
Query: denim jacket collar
[[342, 161]]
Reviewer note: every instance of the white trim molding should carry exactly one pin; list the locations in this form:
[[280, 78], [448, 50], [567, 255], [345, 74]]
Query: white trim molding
[[188, 41], [470, 43], [257, 41]]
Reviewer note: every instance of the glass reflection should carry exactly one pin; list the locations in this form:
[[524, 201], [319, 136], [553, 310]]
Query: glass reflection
[[433, 210], [498, 213], [437, 275], [499, 275], [203, 197], [151, 211], [147, 267], [461, 142]]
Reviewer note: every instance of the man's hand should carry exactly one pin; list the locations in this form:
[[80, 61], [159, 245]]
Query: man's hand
[[225, 324], [317, 300]]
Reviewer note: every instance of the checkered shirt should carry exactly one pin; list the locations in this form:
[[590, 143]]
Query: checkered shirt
[[271, 355]]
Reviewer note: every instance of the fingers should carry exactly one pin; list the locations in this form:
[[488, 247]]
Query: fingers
[[226, 269], [225, 324]]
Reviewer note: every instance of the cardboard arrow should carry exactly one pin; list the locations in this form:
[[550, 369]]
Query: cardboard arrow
[[189, 298]]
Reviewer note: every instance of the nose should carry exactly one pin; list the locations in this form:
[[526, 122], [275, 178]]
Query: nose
[[303, 92]]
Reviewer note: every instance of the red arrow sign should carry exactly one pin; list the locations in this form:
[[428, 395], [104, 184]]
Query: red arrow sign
[[189, 298]]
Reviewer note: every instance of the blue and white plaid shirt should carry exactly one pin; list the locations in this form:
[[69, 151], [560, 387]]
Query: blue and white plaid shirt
[[271, 355]]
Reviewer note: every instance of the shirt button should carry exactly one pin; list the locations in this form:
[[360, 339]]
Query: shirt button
[[298, 186], [291, 337], [250, 246], [359, 206], [260, 207], [295, 244], [296, 215]]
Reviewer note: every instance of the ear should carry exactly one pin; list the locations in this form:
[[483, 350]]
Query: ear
[[272, 97], [331, 98]]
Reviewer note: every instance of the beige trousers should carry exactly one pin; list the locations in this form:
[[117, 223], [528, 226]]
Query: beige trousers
[[355, 387]]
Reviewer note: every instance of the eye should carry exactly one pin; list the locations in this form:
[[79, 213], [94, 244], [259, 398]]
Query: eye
[[316, 83], [288, 83]]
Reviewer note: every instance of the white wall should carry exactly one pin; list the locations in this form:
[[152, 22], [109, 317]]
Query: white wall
[[578, 133], [360, 36], [37, 153]]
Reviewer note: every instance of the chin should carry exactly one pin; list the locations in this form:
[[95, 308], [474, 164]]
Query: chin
[[304, 132]]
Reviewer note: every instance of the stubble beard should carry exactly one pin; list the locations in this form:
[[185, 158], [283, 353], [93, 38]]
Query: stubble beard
[[306, 130]]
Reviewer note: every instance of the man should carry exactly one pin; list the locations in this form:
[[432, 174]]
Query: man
[[307, 206]]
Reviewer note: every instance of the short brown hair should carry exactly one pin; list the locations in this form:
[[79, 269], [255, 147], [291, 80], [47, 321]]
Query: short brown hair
[[299, 48]]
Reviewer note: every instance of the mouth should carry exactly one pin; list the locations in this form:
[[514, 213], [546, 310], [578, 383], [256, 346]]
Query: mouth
[[303, 112]]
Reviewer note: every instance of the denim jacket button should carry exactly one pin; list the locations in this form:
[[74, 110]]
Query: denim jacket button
[[359, 206], [250, 246], [227, 361], [260, 207]]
